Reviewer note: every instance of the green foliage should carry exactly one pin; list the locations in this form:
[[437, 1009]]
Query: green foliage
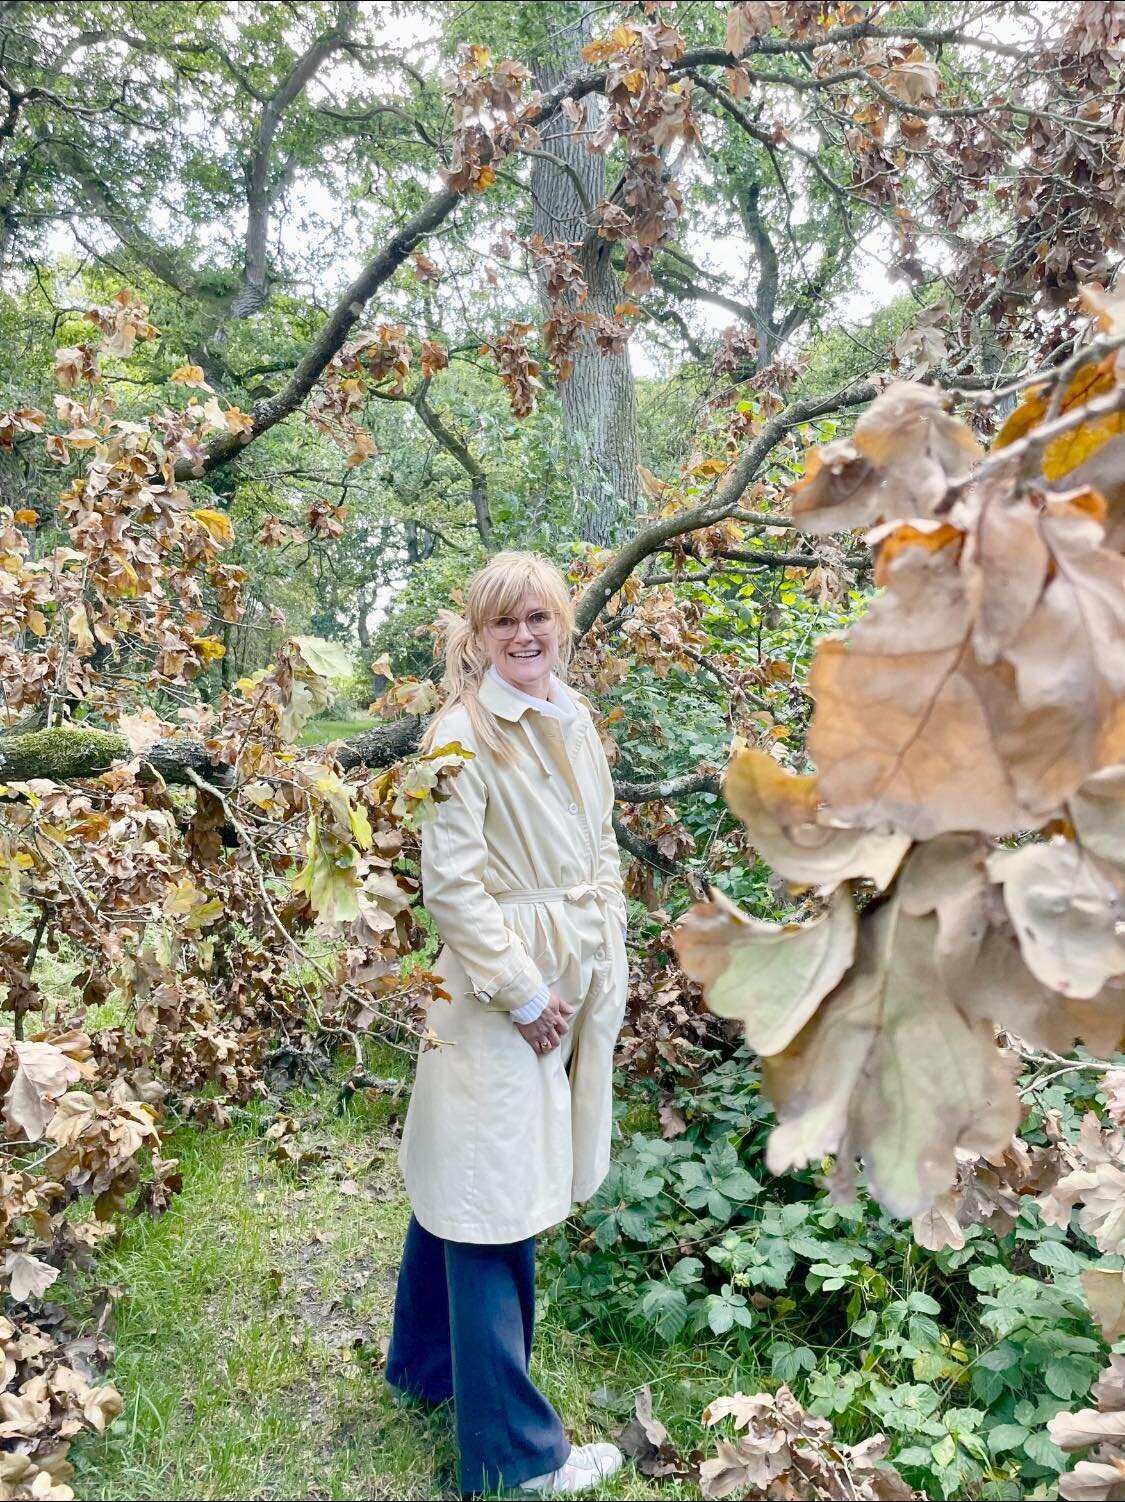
[[961, 1357]]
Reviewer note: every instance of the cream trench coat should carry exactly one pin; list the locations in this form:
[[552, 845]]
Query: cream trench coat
[[520, 873]]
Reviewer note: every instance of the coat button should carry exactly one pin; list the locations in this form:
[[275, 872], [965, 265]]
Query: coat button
[[600, 954], [573, 808]]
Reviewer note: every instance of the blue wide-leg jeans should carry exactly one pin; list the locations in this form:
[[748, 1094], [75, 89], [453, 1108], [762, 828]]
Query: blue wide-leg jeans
[[464, 1316]]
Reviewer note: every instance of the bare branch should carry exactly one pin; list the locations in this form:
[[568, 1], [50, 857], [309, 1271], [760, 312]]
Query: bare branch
[[722, 504]]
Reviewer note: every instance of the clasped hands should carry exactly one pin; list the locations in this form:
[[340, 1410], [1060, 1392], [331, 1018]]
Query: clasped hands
[[550, 1027]]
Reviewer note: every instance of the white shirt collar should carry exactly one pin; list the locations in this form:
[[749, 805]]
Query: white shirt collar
[[560, 706]]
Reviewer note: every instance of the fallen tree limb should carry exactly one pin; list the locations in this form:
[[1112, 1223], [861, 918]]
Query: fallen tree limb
[[645, 850], [69, 753]]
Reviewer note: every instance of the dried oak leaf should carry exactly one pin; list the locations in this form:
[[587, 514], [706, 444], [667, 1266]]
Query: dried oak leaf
[[771, 975], [42, 1074], [915, 81], [1097, 810], [1095, 1481], [1063, 455], [1102, 1477], [935, 715], [787, 826], [1065, 909], [890, 1070], [901, 731], [1104, 1288], [1086, 1427], [29, 1276], [1069, 663], [1096, 1183], [898, 463], [647, 1443]]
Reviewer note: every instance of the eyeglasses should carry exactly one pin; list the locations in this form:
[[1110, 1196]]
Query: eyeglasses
[[539, 623]]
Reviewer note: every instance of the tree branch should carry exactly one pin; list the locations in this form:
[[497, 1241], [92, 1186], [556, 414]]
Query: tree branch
[[722, 504], [478, 480], [68, 754], [260, 193], [328, 342]]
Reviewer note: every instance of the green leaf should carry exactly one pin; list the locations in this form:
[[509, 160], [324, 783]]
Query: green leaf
[[666, 1308], [687, 1270], [720, 1316], [636, 1222], [922, 1303], [944, 1451], [788, 1362], [718, 1205], [1069, 1376], [1040, 1448], [1058, 1257], [1006, 1437], [607, 1232], [327, 659], [739, 1186]]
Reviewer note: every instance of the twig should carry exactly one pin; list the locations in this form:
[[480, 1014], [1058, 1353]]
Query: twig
[[284, 933]]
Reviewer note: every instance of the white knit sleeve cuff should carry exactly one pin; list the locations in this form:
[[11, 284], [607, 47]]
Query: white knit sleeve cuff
[[533, 1008]]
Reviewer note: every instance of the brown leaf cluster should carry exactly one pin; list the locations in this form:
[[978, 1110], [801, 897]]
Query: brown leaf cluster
[[519, 373], [192, 907], [982, 695], [782, 1451], [1099, 1432], [489, 117]]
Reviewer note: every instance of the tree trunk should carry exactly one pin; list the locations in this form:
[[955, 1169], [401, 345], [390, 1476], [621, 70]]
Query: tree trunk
[[599, 400]]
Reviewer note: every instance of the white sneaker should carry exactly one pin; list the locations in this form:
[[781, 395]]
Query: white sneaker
[[583, 1468]]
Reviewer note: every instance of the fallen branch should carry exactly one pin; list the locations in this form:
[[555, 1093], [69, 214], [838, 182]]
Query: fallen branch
[[68, 754]]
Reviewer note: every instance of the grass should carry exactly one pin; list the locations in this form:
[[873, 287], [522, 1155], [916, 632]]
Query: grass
[[251, 1320], [318, 732]]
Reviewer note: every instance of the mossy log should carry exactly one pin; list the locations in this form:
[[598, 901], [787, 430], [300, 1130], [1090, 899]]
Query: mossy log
[[70, 752]]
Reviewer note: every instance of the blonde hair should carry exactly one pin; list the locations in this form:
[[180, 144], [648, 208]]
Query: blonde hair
[[497, 589]]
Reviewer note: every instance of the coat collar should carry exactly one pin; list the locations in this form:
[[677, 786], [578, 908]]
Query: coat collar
[[499, 699], [496, 696]]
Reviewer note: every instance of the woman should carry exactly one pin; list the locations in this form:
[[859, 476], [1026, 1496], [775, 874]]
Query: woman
[[509, 1122]]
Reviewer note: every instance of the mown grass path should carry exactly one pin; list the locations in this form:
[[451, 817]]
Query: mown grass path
[[250, 1321]]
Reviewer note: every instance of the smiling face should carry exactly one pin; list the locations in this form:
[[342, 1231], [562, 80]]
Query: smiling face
[[524, 646]]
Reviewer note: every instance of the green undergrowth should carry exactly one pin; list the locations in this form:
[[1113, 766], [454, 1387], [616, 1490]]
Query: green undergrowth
[[252, 1319], [250, 1324], [960, 1356]]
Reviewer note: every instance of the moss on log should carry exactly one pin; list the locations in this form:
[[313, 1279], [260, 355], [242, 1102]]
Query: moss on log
[[61, 754], [69, 753]]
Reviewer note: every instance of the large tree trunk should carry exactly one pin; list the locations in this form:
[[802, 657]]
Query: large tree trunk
[[599, 401]]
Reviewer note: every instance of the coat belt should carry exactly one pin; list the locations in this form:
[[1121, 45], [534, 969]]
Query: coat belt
[[576, 893]]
